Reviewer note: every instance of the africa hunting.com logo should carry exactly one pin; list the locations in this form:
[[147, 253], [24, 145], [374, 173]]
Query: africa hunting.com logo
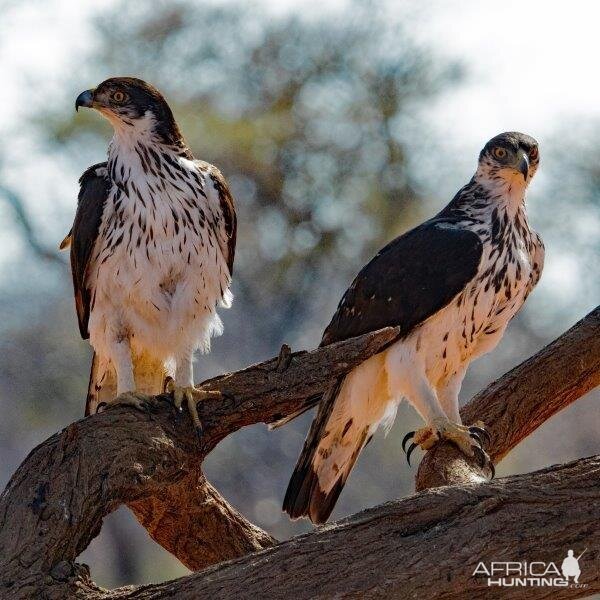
[[532, 573]]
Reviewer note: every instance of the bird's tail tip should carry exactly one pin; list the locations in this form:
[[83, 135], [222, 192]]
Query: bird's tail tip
[[66, 242], [305, 498]]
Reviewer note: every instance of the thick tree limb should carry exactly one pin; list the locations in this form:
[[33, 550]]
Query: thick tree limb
[[194, 522], [519, 402], [55, 502], [424, 546]]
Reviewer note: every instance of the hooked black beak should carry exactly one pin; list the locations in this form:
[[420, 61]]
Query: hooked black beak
[[85, 99], [523, 166]]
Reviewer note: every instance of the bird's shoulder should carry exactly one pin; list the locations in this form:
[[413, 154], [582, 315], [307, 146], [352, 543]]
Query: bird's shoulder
[[411, 278], [436, 234], [94, 190], [95, 173], [217, 184]]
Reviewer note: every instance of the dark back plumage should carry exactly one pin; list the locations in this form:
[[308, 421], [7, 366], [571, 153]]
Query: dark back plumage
[[409, 280], [94, 190], [228, 213]]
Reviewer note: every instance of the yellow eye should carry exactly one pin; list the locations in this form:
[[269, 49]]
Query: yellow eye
[[499, 152], [118, 96]]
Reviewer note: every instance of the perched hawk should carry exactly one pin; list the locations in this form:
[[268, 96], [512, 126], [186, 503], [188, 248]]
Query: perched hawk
[[452, 285], [152, 249]]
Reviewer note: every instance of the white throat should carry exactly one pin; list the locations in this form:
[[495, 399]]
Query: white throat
[[506, 187]]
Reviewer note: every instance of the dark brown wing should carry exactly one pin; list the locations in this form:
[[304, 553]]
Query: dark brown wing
[[411, 279], [93, 192], [228, 212]]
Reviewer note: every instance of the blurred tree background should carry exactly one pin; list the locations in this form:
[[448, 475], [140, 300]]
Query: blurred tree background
[[320, 124]]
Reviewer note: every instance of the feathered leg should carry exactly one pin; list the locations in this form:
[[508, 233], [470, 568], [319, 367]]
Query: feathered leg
[[121, 355], [448, 396], [439, 425], [407, 377], [126, 388]]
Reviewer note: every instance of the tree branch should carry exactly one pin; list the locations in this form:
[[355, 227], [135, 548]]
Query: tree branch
[[427, 545], [55, 502], [194, 522]]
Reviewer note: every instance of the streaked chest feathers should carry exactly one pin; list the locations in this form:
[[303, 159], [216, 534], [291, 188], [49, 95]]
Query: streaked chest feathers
[[160, 241], [507, 273]]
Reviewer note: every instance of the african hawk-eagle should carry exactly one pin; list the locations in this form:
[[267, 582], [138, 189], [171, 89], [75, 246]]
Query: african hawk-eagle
[[152, 249], [452, 285]]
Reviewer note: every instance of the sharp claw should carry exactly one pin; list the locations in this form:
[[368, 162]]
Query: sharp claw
[[405, 439], [487, 436], [409, 452], [484, 460], [480, 454], [476, 437], [480, 431]]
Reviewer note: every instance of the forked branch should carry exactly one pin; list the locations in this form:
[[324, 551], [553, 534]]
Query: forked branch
[[55, 502]]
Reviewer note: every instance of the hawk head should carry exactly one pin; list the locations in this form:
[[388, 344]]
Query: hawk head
[[512, 157], [133, 107]]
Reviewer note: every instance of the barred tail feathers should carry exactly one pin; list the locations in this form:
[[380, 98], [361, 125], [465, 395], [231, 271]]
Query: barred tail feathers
[[348, 416]]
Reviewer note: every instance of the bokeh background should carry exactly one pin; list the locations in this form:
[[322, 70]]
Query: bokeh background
[[339, 125]]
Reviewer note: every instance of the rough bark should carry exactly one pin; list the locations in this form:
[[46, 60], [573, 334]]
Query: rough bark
[[194, 522], [424, 546], [55, 502]]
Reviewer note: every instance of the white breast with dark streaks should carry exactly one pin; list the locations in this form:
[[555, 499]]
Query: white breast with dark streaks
[[159, 271], [474, 323]]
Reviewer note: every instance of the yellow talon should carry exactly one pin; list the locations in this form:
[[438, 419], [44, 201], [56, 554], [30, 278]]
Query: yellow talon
[[192, 396], [448, 430]]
